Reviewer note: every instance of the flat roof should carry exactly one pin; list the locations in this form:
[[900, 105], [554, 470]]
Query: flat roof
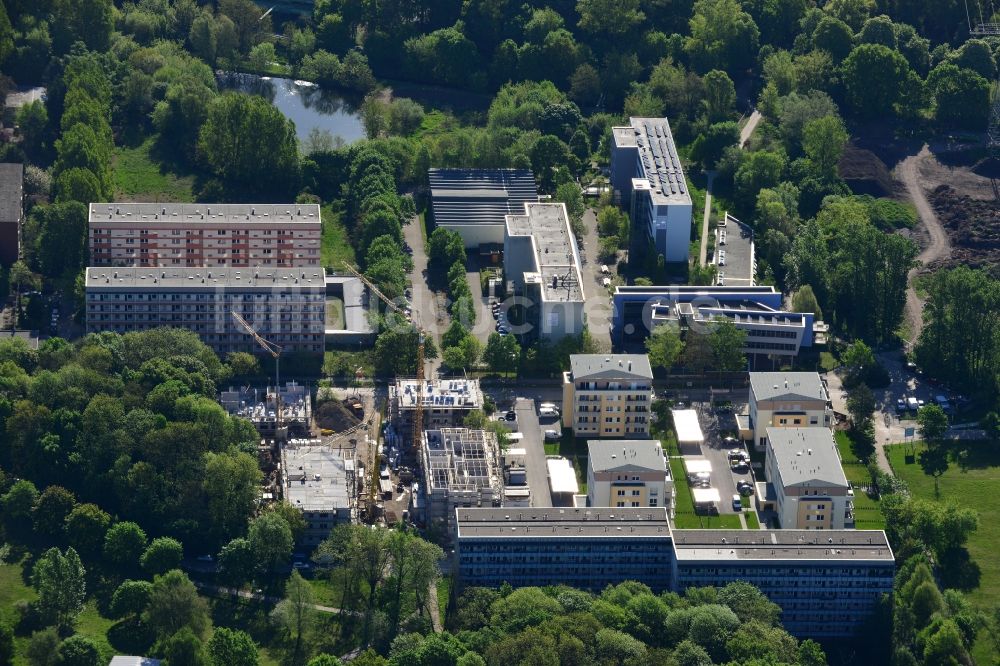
[[658, 155], [604, 454], [707, 545], [705, 495], [562, 476], [475, 197], [188, 214], [610, 366], [687, 426], [11, 191], [684, 290], [455, 393], [570, 522], [697, 465], [210, 278], [806, 456], [787, 386], [316, 478], [556, 257]]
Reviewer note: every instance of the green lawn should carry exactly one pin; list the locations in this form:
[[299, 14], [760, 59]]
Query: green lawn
[[443, 591], [684, 515], [139, 176], [855, 471], [752, 521], [335, 247], [335, 313], [977, 487], [867, 514]]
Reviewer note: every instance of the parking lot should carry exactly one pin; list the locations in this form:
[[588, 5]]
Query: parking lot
[[716, 449]]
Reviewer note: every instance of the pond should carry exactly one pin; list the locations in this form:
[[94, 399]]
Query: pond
[[302, 102]]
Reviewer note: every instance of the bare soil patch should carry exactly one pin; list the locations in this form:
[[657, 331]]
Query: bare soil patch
[[972, 225]]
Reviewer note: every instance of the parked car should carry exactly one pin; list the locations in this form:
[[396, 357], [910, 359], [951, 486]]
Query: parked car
[[900, 405], [737, 503], [552, 435], [745, 487], [510, 415]]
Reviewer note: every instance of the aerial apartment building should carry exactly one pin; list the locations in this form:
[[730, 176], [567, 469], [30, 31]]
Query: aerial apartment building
[[826, 583], [771, 330], [648, 179], [284, 305], [541, 262], [587, 548], [181, 235], [446, 402], [608, 395], [628, 473], [806, 484], [785, 400]]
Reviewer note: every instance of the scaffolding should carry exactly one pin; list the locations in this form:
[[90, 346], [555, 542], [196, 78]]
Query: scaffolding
[[261, 406], [461, 469]]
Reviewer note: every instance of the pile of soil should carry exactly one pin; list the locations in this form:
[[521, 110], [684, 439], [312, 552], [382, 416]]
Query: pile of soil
[[334, 415], [865, 173], [972, 225]]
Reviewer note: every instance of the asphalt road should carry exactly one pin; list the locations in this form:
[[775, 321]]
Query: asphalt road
[[424, 303], [534, 450], [716, 452]]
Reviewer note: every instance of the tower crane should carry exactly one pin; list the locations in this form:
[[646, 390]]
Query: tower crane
[[418, 419], [274, 350]]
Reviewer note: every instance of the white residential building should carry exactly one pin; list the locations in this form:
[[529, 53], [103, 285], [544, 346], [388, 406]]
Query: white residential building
[[628, 473], [807, 480], [786, 400], [608, 395]]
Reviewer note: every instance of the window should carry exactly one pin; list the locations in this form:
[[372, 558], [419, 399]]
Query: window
[[621, 493], [620, 504], [652, 501]]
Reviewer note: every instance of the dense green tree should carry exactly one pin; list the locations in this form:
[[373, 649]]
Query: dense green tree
[[248, 142], [720, 95], [90, 21], [229, 647], [162, 555], [123, 546], [874, 77], [230, 486], [185, 648], [861, 406], [804, 300], [833, 36], [50, 512], [295, 614], [961, 96], [237, 562], [270, 539], [710, 145], [723, 36], [18, 505], [174, 605], [78, 650], [130, 599], [664, 346], [62, 234], [749, 603], [823, 142], [60, 581], [502, 352], [43, 648]]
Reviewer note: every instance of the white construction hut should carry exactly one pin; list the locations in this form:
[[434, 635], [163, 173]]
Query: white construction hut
[[689, 435], [697, 465], [562, 481], [705, 499]]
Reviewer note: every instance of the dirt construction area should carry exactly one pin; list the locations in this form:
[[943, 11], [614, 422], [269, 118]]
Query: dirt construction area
[[966, 199]]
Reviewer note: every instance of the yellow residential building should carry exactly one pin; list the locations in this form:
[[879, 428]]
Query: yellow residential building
[[608, 395]]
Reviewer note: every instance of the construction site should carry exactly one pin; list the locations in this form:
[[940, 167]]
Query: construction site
[[289, 405], [461, 469], [321, 482], [443, 403]]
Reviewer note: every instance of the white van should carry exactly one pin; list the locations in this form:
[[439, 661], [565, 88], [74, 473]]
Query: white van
[[548, 412]]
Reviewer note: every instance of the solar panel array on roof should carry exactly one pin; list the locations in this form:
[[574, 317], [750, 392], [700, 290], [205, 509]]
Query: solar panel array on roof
[[479, 196], [659, 157]]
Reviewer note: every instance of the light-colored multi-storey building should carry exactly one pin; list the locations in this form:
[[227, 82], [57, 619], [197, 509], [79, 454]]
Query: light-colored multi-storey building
[[648, 179], [239, 235], [320, 482], [807, 480], [628, 473], [787, 400], [285, 305], [446, 402], [608, 395], [541, 261]]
